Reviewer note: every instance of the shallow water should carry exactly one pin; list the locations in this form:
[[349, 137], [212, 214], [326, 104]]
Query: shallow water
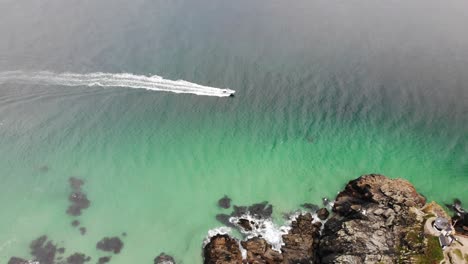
[[325, 92]]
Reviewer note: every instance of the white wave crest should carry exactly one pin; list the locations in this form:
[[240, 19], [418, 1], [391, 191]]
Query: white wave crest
[[223, 230], [155, 83], [264, 228]]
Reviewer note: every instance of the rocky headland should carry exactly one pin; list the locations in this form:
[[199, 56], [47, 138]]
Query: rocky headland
[[375, 219]]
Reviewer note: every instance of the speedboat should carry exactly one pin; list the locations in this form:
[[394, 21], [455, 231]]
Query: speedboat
[[230, 92]]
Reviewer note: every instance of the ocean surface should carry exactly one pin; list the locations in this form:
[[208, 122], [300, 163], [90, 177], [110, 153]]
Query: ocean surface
[[325, 91]]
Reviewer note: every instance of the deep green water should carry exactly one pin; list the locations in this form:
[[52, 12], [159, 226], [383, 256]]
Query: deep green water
[[326, 91]]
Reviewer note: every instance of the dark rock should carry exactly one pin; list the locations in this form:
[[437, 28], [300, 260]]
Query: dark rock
[[301, 242], [224, 202], [311, 207], [78, 258], [245, 224], [110, 244], [222, 249], [460, 217], [259, 251], [323, 214], [82, 230], [75, 183], [124, 234], [15, 260], [43, 251], [79, 202], [224, 218], [61, 250], [365, 228], [75, 223], [103, 260], [164, 259]]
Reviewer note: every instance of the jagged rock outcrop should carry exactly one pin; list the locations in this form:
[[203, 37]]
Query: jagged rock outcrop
[[301, 242], [373, 220], [222, 249], [376, 220], [300, 245]]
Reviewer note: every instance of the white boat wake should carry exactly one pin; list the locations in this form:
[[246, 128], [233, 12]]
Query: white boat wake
[[155, 83]]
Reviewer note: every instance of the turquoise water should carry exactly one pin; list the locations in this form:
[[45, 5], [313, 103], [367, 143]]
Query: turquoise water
[[325, 92]]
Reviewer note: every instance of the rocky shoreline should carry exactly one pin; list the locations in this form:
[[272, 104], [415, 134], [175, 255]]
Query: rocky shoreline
[[375, 219]]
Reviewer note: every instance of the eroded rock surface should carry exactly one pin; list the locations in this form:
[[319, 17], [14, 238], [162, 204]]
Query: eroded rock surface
[[376, 220], [373, 220], [222, 249], [300, 243]]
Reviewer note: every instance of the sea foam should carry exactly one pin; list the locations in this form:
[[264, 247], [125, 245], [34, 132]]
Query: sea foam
[[154, 83]]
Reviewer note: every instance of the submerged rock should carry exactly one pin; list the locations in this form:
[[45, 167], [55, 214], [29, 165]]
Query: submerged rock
[[75, 223], [78, 258], [79, 202], [103, 260], [222, 249], [164, 259], [224, 202], [82, 230], [258, 210], [75, 183], [110, 244], [43, 251], [16, 260], [44, 168], [311, 207]]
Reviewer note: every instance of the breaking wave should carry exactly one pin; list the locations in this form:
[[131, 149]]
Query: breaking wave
[[155, 83]]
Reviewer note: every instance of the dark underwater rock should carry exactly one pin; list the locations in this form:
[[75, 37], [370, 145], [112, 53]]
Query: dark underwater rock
[[224, 202], [79, 202], [103, 260], [75, 183], [110, 244], [258, 210], [78, 258], [16, 260], [82, 230], [311, 207], [75, 223], [43, 251], [164, 259]]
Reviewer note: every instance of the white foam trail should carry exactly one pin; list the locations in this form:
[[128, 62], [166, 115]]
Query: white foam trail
[[155, 83]]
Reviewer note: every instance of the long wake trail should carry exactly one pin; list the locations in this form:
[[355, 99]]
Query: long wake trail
[[154, 83]]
